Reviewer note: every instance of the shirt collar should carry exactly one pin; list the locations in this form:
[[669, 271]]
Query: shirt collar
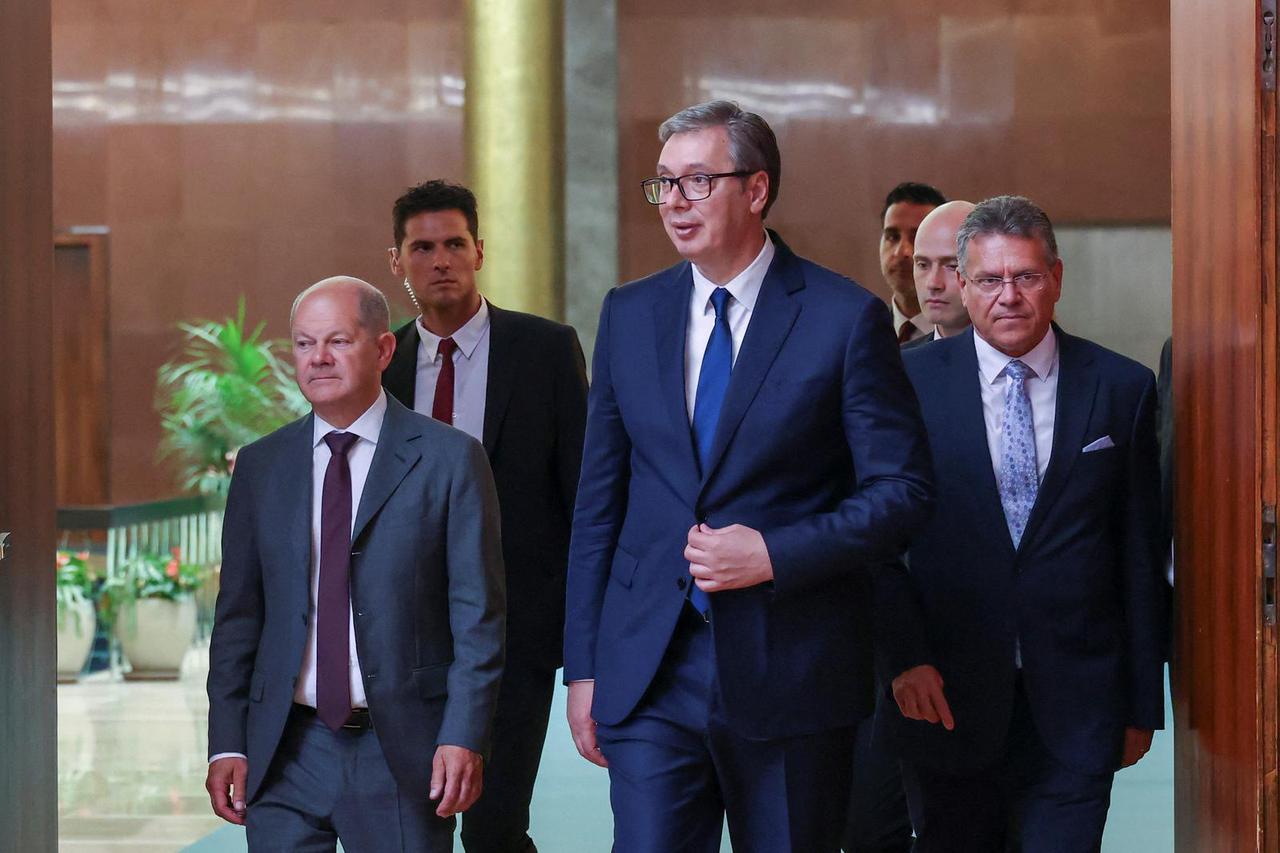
[[992, 362], [899, 318], [467, 338], [743, 287], [368, 426]]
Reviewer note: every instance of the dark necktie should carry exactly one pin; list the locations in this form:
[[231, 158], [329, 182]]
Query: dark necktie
[[713, 382], [333, 600], [442, 405], [905, 333]]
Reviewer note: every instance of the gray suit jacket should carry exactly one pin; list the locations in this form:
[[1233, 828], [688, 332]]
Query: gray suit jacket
[[427, 595]]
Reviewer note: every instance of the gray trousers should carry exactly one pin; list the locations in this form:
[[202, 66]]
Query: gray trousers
[[326, 786]]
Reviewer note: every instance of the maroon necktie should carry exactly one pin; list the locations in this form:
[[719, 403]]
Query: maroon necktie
[[442, 405], [333, 600], [905, 333]]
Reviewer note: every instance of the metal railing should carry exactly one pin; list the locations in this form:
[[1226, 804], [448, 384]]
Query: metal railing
[[118, 533]]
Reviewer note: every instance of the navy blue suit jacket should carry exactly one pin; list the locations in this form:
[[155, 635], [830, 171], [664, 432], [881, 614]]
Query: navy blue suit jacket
[[1082, 591], [819, 446]]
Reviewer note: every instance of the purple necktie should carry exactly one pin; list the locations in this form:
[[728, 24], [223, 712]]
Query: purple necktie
[[333, 600]]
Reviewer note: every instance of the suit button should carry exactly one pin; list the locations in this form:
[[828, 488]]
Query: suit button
[[680, 584]]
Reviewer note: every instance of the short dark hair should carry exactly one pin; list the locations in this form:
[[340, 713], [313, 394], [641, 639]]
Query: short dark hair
[[432, 196], [912, 193]]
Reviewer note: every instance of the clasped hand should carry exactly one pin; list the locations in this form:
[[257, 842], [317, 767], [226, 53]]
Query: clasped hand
[[732, 557]]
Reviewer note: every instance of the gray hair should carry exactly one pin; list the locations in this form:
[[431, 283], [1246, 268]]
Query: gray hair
[[1011, 215], [373, 314], [752, 144]]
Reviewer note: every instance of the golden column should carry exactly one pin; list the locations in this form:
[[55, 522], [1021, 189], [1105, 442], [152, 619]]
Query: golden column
[[515, 149]]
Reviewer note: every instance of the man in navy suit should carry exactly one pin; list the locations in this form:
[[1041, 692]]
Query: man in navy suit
[[1031, 671], [753, 447]]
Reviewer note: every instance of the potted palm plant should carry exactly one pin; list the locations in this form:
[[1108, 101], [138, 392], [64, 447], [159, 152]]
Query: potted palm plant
[[75, 588], [228, 388], [150, 604]]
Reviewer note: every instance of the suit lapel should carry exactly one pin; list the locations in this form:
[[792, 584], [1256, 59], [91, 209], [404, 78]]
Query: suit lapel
[[291, 490], [671, 327], [501, 375], [1077, 387], [401, 376], [961, 393], [392, 460], [774, 314]]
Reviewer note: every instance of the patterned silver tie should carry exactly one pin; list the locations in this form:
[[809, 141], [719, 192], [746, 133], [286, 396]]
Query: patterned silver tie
[[1019, 474]]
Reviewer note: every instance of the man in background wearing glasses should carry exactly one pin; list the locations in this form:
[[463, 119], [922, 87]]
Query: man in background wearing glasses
[[753, 450], [1032, 668]]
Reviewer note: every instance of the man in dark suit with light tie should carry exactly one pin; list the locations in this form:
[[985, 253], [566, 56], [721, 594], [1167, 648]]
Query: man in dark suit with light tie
[[753, 447], [517, 383], [358, 639], [1026, 640]]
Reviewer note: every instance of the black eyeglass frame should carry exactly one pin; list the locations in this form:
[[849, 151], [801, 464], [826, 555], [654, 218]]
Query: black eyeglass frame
[[678, 182]]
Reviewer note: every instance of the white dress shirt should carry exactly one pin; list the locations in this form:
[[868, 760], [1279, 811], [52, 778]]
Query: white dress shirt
[[743, 290], [470, 371], [919, 325], [368, 426], [1042, 388]]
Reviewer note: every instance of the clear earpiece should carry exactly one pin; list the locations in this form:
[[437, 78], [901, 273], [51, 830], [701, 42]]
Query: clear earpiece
[[412, 296]]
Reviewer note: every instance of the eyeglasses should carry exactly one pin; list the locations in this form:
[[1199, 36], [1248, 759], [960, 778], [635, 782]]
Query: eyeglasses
[[1027, 282], [692, 187]]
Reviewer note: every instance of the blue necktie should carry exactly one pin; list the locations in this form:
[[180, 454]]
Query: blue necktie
[[713, 382], [1019, 473]]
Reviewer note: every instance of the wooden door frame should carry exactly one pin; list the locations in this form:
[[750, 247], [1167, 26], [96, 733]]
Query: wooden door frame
[[1224, 366], [28, 698], [92, 320]]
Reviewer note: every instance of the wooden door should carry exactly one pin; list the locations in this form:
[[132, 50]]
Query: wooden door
[[28, 710], [1224, 331], [82, 426]]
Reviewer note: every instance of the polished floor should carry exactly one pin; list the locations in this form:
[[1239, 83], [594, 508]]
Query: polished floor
[[131, 764]]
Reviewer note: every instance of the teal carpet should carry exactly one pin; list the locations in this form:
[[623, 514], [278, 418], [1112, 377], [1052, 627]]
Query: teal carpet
[[571, 803]]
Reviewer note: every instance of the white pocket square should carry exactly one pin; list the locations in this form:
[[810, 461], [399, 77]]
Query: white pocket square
[[1101, 444]]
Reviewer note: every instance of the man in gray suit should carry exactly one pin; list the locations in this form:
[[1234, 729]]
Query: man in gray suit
[[358, 641]]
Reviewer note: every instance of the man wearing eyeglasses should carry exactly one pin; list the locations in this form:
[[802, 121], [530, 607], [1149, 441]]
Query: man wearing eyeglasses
[[753, 449], [1031, 670]]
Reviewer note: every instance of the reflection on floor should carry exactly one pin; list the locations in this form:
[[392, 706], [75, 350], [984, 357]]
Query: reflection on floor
[[131, 765]]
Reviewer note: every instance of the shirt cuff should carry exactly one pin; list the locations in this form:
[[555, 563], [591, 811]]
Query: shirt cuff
[[228, 755]]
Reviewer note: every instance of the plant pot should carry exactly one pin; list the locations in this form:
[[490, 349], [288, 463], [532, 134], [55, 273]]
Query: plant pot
[[154, 635], [75, 638]]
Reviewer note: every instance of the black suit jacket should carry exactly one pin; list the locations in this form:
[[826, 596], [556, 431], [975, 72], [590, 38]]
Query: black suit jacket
[[426, 595], [535, 412], [1082, 592]]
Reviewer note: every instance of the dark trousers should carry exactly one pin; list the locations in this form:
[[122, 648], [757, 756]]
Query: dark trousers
[[878, 818], [676, 771], [1027, 800], [326, 786], [499, 820]]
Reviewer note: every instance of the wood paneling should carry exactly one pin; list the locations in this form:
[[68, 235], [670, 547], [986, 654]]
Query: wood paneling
[[82, 428], [1066, 102], [240, 148], [28, 713], [1223, 249]]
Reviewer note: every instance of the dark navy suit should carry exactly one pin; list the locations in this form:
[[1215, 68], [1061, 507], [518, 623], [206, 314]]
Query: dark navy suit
[[819, 446], [1081, 594]]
